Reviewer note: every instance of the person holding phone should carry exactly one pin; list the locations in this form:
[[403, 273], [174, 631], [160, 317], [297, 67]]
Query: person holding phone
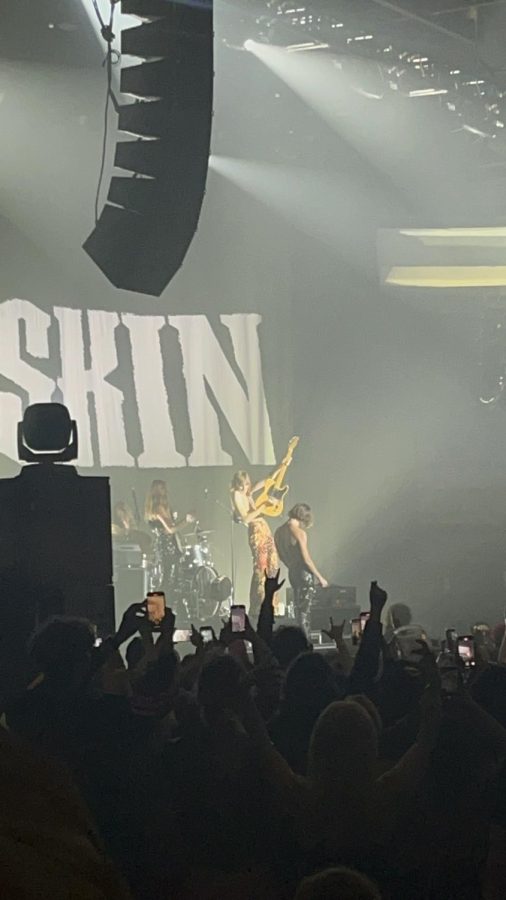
[[293, 549], [261, 542]]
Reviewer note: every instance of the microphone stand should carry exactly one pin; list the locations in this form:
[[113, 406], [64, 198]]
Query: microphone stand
[[232, 548], [136, 509]]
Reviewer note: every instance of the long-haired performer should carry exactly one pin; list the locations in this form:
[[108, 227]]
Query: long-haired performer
[[261, 541], [157, 508], [167, 545]]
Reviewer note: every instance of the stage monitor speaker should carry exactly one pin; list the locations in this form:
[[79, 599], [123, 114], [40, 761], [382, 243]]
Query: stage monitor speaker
[[143, 233], [130, 586], [127, 555], [320, 615], [336, 595]]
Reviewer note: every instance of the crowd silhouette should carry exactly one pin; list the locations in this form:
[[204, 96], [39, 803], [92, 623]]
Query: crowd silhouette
[[255, 766]]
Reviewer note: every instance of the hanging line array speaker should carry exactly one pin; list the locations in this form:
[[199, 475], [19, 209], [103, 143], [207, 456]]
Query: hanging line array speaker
[[147, 225]]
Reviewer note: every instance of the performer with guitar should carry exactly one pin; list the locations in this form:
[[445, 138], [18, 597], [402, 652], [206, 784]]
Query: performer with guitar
[[251, 512], [292, 546], [261, 541]]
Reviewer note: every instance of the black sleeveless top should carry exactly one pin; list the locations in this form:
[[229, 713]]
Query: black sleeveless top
[[289, 553]]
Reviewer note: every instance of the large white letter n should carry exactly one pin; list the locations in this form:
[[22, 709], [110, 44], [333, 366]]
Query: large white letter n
[[205, 364]]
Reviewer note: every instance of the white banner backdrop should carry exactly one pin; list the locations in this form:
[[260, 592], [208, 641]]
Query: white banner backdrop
[[73, 356]]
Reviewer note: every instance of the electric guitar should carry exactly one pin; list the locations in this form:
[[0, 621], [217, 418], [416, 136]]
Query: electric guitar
[[271, 498]]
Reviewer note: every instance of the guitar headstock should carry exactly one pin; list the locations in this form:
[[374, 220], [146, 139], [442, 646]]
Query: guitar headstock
[[291, 447]]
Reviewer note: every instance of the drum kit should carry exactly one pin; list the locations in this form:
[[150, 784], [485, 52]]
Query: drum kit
[[198, 588], [184, 569]]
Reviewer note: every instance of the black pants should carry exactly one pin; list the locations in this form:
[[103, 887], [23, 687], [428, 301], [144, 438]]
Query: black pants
[[304, 591]]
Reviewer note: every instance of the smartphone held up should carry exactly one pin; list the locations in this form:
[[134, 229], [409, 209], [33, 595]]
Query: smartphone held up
[[356, 631], [466, 651], [238, 619], [182, 635]]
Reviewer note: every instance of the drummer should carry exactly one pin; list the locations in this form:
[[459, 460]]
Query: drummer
[[123, 520], [124, 530]]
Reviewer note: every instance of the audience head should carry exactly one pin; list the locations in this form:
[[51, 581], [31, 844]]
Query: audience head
[[62, 648], [338, 884], [398, 692], [497, 634], [161, 676], [288, 643], [310, 683], [399, 615], [489, 690], [344, 743], [219, 684], [484, 639], [370, 708]]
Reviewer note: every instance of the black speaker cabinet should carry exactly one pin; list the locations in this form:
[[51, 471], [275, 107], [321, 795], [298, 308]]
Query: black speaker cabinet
[[55, 553], [336, 595], [320, 615], [130, 586]]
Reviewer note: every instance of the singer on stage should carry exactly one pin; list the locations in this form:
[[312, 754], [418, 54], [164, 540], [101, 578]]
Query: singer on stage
[[261, 541]]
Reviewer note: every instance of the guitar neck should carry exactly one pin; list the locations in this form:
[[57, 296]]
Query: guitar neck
[[278, 476]]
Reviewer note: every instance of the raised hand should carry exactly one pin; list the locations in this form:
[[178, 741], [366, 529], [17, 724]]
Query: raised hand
[[196, 638], [168, 623], [335, 632], [427, 666], [377, 597], [227, 636], [132, 618], [273, 584]]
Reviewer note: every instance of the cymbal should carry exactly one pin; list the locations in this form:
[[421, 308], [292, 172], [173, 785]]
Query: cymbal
[[195, 536]]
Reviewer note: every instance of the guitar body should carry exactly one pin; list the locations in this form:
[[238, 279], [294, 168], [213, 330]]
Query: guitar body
[[273, 502], [271, 498]]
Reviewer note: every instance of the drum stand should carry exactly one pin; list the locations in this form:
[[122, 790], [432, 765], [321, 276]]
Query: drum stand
[[232, 548]]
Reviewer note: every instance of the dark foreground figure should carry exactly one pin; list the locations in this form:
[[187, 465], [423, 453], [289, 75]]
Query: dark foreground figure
[[276, 773]]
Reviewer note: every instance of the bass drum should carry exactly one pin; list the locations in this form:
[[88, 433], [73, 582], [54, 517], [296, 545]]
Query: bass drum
[[213, 593], [195, 556]]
